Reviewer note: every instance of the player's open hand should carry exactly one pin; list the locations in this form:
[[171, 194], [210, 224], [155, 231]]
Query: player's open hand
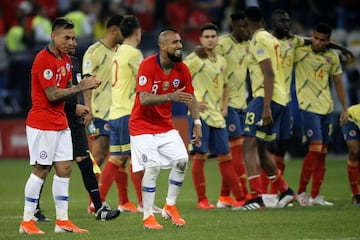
[[181, 96], [344, 116], [89, 83], [347, 56], [197, 134], [200, 52], [267, 116], [202, 106], [81, 110]]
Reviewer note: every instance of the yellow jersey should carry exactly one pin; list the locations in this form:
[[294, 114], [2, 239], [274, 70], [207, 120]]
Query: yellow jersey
[[235, 54]]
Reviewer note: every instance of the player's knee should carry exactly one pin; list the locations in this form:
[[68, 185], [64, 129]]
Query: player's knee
[[151, 171], [181, 165], [249, 143], [353, 155], [119, 160]]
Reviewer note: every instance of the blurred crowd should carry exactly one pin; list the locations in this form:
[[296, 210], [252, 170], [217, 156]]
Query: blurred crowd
[[25, 27]]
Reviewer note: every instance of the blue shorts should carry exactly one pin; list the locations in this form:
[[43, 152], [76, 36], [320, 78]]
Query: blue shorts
[[102, 127], [351, 131], [254, 114], [316, 127], [235, 121], [119, 136], [214, 141]]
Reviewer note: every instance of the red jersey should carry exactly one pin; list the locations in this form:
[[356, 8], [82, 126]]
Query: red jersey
[[47, 71], [154, 119]]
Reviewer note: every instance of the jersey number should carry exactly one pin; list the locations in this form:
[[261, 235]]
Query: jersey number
[[250, 118], [154, 89], [318, 74]]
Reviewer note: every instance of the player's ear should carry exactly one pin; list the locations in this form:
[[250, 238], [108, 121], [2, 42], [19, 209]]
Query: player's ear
[[161, 46]]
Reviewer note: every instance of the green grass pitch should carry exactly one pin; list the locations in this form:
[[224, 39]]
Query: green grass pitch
[[338, 222]]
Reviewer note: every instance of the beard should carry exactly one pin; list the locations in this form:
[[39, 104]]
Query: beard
[[175, 58]]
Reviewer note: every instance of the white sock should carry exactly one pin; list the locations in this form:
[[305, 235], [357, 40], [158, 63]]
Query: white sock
[[176, 180], [32, 192], [149, 189], [60, 190]]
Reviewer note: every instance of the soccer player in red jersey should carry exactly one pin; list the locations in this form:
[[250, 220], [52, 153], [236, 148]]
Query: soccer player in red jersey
[[162, 79], [47, 129]]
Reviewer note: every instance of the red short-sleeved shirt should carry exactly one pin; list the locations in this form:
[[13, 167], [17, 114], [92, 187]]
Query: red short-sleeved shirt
[[47, 71], [151, 78]]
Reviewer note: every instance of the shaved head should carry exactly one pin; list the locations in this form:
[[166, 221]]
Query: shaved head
[[164, 35]]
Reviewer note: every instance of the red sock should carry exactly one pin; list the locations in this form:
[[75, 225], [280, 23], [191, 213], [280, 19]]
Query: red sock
[[264, 181], [121, 179], [107, 178], [228, 175], [318, 175], [198, 177], [353, 175], [279, 182], [307, 169], [238, 162], [136, 178], [280, 163], [225, 190], [255, 183]]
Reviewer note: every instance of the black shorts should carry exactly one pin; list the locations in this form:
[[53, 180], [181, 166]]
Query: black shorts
[[79, 139]]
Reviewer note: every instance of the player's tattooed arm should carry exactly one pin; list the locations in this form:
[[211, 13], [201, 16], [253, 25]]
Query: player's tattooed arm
[[179, 95]]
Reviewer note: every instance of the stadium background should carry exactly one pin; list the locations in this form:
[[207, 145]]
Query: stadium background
[[20, 40]]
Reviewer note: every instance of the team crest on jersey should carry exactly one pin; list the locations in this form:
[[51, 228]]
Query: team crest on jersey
[[43, 155], [87, 64], [352, 133], [48, 74], [309, 133], [142, 80], [166, 85], [68, 67], [176, 83], [63, 71], [260, 51], [144, 158], [291, 45]]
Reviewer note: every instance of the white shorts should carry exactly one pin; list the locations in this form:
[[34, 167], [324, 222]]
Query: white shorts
[[159, 149], [46, 147]]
